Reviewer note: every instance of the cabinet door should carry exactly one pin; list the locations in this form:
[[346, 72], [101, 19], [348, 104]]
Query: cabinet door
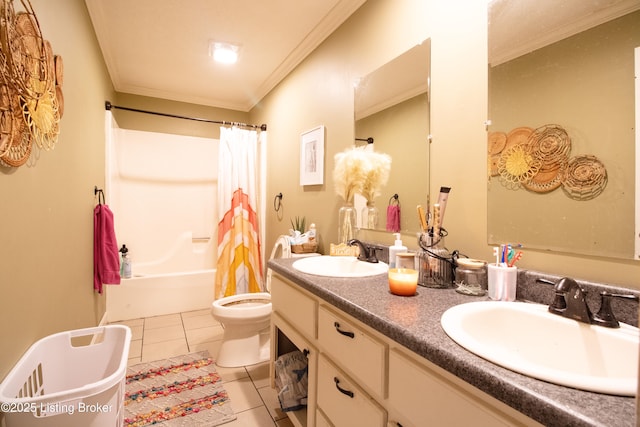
[[420, 396], [304, 417], [321, 420], [296, 307], [362, 355], [343, 402]]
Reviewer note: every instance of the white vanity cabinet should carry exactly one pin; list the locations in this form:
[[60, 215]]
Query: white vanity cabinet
[[359, 377]]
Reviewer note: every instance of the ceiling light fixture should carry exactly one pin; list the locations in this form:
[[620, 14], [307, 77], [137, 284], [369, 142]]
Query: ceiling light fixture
[[225, 53]]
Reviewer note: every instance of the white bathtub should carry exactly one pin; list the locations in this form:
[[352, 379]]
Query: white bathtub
[[157, 294], [183, 279]]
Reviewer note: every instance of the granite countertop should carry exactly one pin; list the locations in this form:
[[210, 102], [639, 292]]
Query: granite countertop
[[414, 322]]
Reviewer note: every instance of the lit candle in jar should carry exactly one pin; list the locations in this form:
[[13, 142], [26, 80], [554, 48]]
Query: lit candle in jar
[[403, 281]]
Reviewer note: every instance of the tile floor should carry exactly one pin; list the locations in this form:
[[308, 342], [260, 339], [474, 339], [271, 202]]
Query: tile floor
[[253, 400]]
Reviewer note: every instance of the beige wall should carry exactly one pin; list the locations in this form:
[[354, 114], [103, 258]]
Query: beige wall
[[46, 219], [320, 91], [46, 215], [154, 123]]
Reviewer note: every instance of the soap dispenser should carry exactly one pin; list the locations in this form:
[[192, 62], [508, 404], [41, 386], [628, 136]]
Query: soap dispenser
[[394, 250], [125, 263]]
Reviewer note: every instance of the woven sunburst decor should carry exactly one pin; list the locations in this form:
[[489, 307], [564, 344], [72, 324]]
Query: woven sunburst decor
[[586, 177], [517, 165], [30, 93]]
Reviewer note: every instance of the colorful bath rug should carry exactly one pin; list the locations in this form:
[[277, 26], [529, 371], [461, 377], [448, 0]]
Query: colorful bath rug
[[181, 391]]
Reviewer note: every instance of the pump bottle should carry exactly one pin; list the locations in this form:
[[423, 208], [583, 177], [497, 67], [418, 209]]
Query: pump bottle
[[394, 250], [125, 263]]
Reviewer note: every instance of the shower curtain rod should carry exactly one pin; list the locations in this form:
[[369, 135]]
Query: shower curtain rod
[[109, 106]]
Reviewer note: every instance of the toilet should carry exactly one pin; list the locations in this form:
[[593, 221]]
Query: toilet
[[246, 319]]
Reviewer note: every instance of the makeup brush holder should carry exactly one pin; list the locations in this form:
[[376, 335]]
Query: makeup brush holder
[[435, 266]]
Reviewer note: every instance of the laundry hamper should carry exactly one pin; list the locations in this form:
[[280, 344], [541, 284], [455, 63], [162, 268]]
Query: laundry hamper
[[69, 379]]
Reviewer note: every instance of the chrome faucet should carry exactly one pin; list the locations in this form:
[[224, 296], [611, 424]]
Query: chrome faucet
[[570, 301], [367, 253]]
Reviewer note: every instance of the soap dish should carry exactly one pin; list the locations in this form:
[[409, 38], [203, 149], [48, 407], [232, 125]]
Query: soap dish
[[473, 290]]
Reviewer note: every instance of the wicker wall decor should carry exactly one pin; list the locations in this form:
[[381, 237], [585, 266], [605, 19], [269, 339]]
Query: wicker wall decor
[[539, 161], [30, 86]]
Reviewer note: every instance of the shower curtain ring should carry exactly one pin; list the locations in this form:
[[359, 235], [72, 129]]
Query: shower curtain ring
[[277, 202]]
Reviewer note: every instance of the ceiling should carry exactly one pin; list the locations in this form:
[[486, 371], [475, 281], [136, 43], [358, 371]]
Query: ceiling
[[517, 27], [160, 48]]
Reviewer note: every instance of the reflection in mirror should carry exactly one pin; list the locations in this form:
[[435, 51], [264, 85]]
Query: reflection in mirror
[[392, 108], [561, 138]]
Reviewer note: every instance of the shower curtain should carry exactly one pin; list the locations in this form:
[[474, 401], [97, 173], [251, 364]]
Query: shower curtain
[[239, 268]]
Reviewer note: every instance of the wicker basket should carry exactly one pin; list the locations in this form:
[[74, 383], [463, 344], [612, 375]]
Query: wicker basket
[[305, 248]]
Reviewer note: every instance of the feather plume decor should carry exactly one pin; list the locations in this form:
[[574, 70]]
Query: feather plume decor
[[377, 175], [360, 171], [350, 172]]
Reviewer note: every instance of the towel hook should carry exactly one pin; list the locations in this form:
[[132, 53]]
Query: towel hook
[[394, 197], [98, 191], [277, 202]]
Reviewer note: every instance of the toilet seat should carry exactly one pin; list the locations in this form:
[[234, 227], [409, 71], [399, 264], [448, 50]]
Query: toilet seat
[[243, 306]]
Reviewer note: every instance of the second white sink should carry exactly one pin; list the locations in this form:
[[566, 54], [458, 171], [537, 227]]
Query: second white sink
[[339, 266], [526, 338]]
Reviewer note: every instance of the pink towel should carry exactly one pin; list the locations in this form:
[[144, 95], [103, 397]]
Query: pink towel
[[393, 218], [106, 260]]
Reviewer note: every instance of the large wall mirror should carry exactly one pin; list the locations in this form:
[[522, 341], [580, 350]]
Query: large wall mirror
[[562, 145], [392, 110]]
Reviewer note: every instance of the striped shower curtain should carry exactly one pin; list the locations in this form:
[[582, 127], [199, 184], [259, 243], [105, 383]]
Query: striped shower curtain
[[239, 268]]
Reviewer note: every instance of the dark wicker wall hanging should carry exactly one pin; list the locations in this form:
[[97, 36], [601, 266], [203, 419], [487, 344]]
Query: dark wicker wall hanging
[[31, 77]]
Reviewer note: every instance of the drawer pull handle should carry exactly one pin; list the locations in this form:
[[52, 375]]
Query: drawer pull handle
[[345, 333], [341, 390], [306, 352]]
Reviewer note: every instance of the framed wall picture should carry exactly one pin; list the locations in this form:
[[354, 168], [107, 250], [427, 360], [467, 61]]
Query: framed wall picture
[[312, 157]]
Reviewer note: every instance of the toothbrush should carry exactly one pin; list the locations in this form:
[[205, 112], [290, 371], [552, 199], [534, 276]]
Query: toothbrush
[[515, 259]]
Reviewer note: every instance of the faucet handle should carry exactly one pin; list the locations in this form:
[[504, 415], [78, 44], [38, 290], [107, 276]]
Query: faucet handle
[[605, 316]]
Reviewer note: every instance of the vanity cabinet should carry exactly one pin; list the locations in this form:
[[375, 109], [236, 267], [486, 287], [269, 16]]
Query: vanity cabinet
[[359, 377], [354, 349]]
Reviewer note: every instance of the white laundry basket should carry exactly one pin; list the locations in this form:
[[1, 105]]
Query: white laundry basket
[[63, 380]]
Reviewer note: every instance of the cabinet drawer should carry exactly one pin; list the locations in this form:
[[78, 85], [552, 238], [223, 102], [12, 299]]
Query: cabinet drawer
[[293, 305], [423, 397], [343, 402], [352, 348]]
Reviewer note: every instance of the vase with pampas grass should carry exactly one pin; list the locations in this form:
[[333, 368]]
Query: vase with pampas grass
[[358, 171], [376, 177]]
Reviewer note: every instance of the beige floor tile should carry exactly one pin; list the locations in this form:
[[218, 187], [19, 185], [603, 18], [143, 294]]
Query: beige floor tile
[[256, 417], [211, 346], [135, 349], [136, 326], [270, 398], [133, 361], [206, 311], [202, 321], [162, 321], [164, 349], [202, 335], [243, 394], [163, 334], [260, 374]]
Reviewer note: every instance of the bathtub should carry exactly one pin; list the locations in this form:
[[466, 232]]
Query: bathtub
[[180, 281]]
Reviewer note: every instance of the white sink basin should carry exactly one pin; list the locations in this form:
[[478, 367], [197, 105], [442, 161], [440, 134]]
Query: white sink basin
[[526, 338], [339, 266]]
